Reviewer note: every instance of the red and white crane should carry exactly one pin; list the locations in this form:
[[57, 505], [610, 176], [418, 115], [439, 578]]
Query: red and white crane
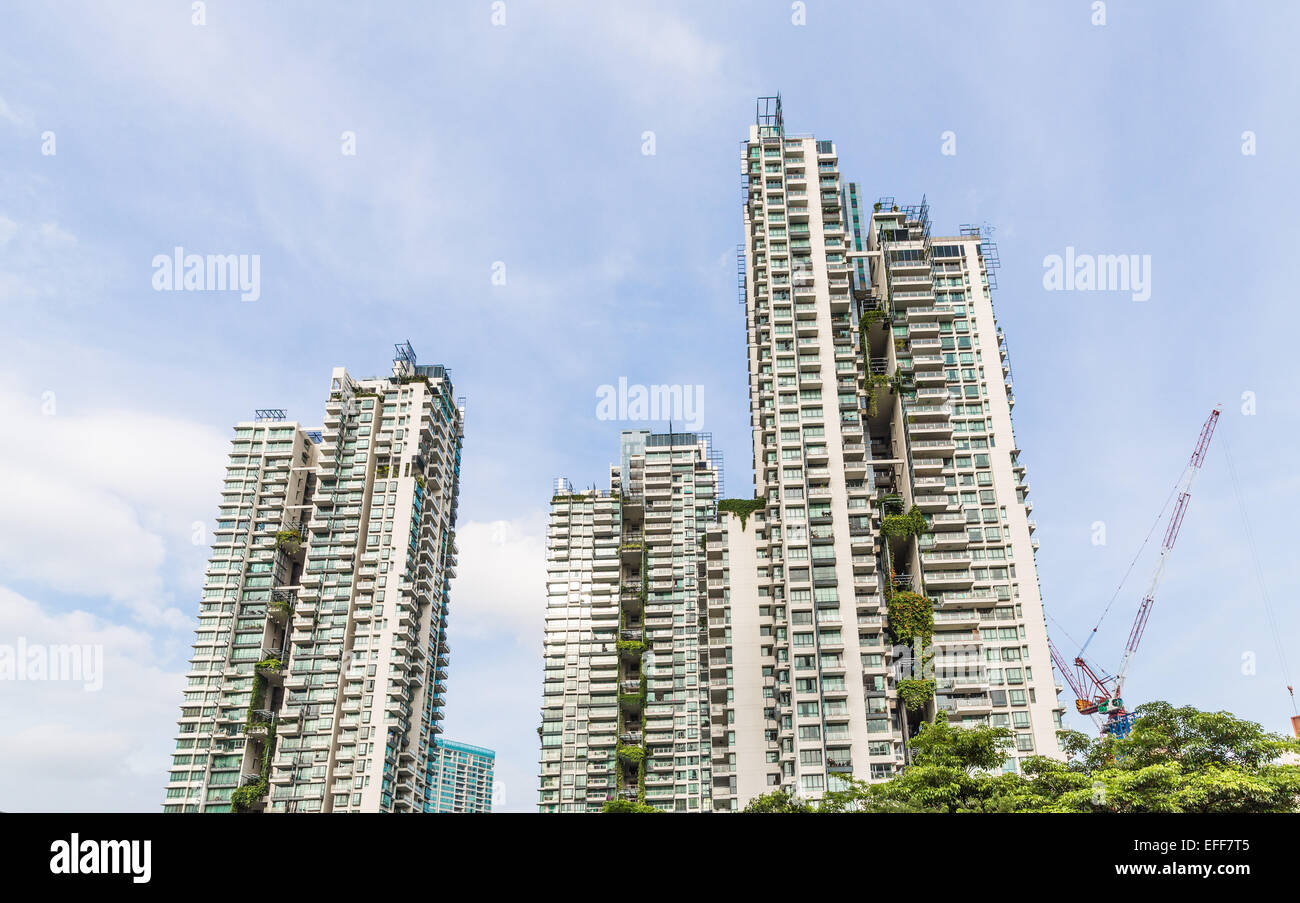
[[1096, 692]]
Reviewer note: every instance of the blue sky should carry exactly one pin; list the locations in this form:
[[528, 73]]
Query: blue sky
[[522, 144]]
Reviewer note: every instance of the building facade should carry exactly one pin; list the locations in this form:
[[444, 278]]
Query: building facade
[[318, 676], [462, 777], [889, 473], [625, 713], [882, 576]]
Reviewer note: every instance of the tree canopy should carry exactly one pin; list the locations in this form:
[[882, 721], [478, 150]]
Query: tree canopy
[[1173, 760]]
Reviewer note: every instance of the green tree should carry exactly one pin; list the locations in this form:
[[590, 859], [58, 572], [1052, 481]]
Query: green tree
[[779, 801], [1173, 760], [628, 806]]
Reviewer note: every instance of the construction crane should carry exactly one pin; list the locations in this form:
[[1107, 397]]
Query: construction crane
[[1096, 692]]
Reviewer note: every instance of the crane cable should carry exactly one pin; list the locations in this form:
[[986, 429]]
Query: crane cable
[[1259, 572], [1159, 517]]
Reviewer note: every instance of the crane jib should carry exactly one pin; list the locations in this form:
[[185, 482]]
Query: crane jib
[[1096, 692]]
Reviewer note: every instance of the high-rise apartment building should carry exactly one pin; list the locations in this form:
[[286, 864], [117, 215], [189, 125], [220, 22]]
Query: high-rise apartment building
[[462, 777], [317, 679], [884, 573], [889, 475], [625, 713]]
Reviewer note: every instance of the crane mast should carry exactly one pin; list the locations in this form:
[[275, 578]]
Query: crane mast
[[1098, 693]]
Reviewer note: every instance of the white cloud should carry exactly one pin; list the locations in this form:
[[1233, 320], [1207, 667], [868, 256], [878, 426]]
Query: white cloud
[[93, 503], [7, 113], [500, 582], [66, 748], [54, 234], [8, 229]]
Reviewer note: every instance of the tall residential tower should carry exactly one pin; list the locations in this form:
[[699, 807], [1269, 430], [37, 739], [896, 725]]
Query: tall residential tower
[[889, 576], [462, 777], [882, 575], [319, 663], [625, 715]]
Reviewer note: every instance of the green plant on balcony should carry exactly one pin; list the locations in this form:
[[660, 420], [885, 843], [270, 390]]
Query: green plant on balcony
[[865, 322], [876, 382], [381, 471], [636, 647], [742, 508], [258, 697], [911, 618], [281, 605], [631, 755], [270, 664], [901, 526], [289, 540], [628, 806], [246, 796], [915, 693], [631, 699], [891, 503]]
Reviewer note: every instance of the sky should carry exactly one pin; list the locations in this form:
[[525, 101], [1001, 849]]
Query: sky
[[545, 197]]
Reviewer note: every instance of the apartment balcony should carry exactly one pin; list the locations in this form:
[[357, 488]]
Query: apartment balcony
[[917, 297], [979, 704], [931, 503], [955, 579], [958, 617], [946, 560], [923, 361], [976, 598], [947, 539], [931, 445], [926, 465]]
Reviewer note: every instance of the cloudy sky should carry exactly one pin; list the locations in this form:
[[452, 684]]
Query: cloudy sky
[[520, 149]]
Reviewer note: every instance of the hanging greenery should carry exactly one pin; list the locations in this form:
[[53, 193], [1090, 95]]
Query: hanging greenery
[[891, 503], [633, 755], [875, 382], [901, 526], [915, 693], [911, 618], [865, 322], [628, 806], [742, 508]]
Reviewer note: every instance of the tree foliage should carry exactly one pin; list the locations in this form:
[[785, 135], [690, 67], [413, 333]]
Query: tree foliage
[[911, 617], [1173, 760], [779, 801], [628, 806], [901, 526]]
